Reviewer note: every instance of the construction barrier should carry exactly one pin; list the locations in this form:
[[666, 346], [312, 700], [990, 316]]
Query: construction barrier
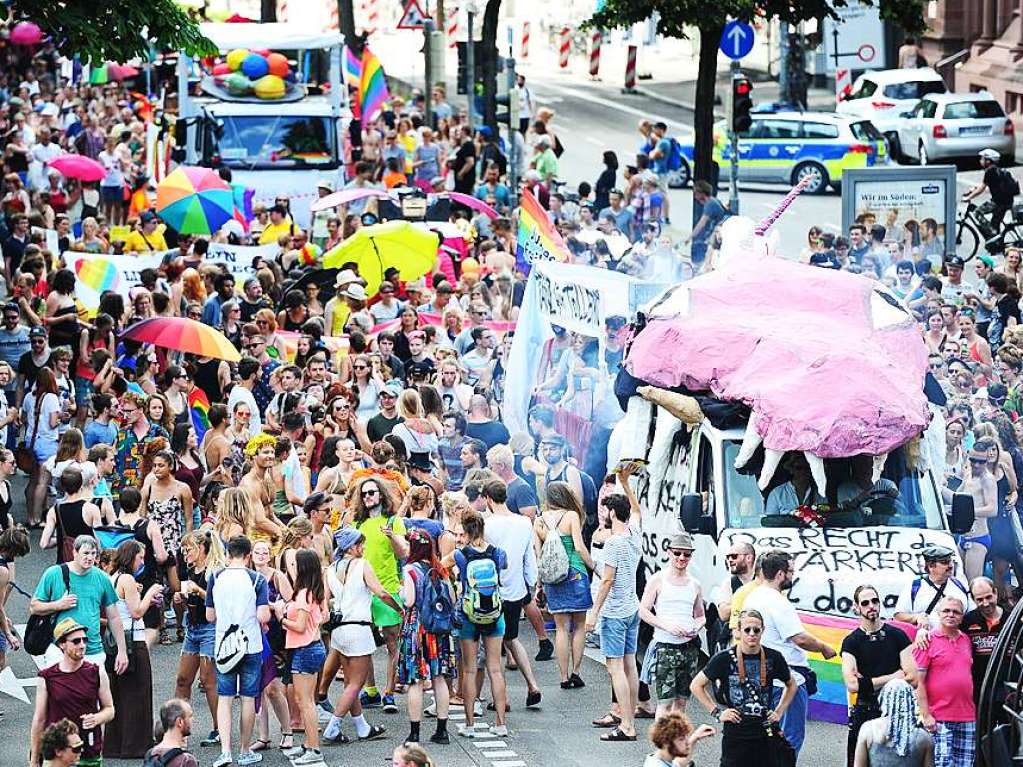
[[564, 47], [452, 25], [524, 51], [630, 71], [843, 84], [595, 41]]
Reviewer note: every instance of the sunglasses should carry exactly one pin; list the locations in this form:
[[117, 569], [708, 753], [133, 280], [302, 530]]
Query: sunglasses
[[77, 748], [683, 553], [869, 602], [252, 346], [77, 640], [753, 630], [978, 461], [732, 556]]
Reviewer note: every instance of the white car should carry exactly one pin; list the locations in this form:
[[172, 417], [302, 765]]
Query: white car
[[882, 96], [944, 126]]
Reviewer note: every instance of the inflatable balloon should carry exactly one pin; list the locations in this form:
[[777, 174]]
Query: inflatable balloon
[[278, 64], [264, 52], [238, 84], [254, 66], [221, 69], [26, 33], [269, 87], [236, 57]]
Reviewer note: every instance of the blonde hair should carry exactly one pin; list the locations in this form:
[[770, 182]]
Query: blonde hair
[[235, 506], [414, 754], [410, 405], [206, 539], [297, 529]]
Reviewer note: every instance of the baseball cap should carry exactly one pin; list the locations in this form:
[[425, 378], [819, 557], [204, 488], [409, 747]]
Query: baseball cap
[[423, 367], [147, 216], [391, 388], [65, 627], [37, 332], [987, 261], [955, 261]]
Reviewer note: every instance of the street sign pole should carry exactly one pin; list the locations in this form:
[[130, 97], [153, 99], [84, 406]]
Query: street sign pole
[[513, 111], [428, 61], [470, 66], [733, 199]]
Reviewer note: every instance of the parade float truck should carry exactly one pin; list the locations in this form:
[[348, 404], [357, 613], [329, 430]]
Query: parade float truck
[[783, 405], [271, 108]]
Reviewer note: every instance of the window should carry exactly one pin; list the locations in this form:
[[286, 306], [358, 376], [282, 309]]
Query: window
[[865, 131], [1013, 102], [819, 130], [867, 88], [277, 142], [973, 110], [913, 90], [778, 129]]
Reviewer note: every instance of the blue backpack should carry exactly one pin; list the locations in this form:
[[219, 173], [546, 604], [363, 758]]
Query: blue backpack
[[112, 536], [437, 611], [481, 601], [675, 157]]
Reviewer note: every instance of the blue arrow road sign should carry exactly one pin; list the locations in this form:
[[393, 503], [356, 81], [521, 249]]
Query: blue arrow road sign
[[736, 39]]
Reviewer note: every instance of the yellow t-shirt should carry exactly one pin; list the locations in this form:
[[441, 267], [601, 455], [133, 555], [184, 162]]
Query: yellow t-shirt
[[339, 314], [136, 242], [738, 600], [379, 552], [273, 232]]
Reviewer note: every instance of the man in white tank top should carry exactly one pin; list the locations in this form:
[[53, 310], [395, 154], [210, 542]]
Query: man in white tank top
[[673, 605]]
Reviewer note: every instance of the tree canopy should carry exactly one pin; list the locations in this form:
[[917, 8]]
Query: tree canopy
[[114, 30]]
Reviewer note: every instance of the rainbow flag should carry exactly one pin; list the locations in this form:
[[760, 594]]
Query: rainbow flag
[[199, 407], [372, 86], [831, 703], [538, 240], [351, 68]]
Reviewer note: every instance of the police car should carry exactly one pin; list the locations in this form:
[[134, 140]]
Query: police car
[[786, 147]]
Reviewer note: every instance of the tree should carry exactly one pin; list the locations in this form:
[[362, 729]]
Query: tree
[[710, 20], [114, 30]]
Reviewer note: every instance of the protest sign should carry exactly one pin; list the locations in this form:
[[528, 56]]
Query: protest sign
[[239, 258], [96, 273]]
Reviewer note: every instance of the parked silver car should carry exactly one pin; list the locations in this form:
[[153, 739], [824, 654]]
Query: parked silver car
[[944, 126]]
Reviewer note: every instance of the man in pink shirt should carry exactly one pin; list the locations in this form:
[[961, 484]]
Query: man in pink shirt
[[944, 691]]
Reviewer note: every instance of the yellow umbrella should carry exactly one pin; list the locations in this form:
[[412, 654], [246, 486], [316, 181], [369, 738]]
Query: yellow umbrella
[[410, 250]]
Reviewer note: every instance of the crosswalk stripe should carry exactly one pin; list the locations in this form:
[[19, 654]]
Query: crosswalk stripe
[[499, 754], [483, 744], [517, 763]]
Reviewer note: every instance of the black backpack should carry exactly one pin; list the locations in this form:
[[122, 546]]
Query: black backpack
[[168, 756]]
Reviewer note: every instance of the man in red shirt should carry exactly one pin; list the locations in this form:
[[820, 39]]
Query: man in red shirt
[[944, 690]]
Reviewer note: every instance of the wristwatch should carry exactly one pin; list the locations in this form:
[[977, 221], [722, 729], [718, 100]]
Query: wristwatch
[[716, 713]]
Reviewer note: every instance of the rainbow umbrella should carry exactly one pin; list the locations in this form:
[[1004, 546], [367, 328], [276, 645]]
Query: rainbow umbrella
[[183, 335], [412, 251], [194, 201]]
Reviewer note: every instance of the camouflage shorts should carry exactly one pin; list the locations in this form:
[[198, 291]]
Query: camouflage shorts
[[674, 668]]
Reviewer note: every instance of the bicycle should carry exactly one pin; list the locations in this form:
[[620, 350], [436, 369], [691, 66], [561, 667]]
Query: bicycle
[[974, 227]]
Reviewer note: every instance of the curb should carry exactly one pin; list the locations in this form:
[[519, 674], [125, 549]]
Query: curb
[[653, 96]]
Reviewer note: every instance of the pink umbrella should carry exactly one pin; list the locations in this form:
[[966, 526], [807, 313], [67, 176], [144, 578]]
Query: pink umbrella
[[78, 166], [120, 72], [345, 196], [473, 203]]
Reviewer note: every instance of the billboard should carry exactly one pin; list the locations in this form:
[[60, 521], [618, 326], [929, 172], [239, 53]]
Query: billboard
[[916, 205]]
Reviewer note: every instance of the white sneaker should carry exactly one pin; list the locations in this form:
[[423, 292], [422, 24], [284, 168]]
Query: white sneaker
[[322, 714], [249, 757], [499, 730], [467, 731], [431, 710], [294, 751], [310, 756], [477, 708], [223, 760]]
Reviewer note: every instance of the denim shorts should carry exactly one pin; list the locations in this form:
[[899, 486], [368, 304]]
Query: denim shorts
[[308, 659], [244, 680], [619, 636], [470, 630], [199, 639]]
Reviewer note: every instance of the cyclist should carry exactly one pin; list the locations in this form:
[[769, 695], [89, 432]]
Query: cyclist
[[1000, 182]]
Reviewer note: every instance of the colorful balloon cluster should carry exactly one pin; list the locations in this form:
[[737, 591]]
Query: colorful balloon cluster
[[259, 72]]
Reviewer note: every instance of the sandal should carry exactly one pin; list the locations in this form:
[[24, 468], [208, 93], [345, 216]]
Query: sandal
[[609, 720], [616, 736], [259, 745], [290, 737], [181, 634], [642, 713], [165, 637]]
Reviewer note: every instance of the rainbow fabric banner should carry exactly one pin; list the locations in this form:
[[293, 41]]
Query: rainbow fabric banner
[[538, 240], [372, 86], [351, 67], [199, 407], [831, 703]]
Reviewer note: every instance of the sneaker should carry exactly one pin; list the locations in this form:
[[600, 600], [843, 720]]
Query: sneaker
[[213, 739], [593, 640], [464, 730], [249, 757], [311, 756], [431, 710], [499, 730], [325, 704], [546, 651], [294, 751], [390, 707], [223, 760], [369, 701], [477, 708], [323, 714], [440, 738]]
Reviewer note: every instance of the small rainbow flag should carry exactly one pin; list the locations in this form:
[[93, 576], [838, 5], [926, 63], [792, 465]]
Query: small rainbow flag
[[538, 240], [351, 68], [831, 703], [372, 86], [199, 407]]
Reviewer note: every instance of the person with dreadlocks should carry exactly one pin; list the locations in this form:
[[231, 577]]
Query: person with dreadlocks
[[894, 739]]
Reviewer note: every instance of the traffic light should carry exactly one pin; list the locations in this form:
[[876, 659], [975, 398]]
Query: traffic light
[[742, 104]]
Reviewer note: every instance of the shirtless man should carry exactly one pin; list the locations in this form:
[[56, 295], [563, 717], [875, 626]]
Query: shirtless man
[[258, 484], [317, 508], [980, 484]]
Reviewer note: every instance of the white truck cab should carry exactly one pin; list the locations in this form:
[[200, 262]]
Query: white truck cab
[[276, 147], [876, 540]]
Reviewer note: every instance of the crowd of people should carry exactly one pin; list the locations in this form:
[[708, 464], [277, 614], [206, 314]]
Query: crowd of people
[[348, 525]]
